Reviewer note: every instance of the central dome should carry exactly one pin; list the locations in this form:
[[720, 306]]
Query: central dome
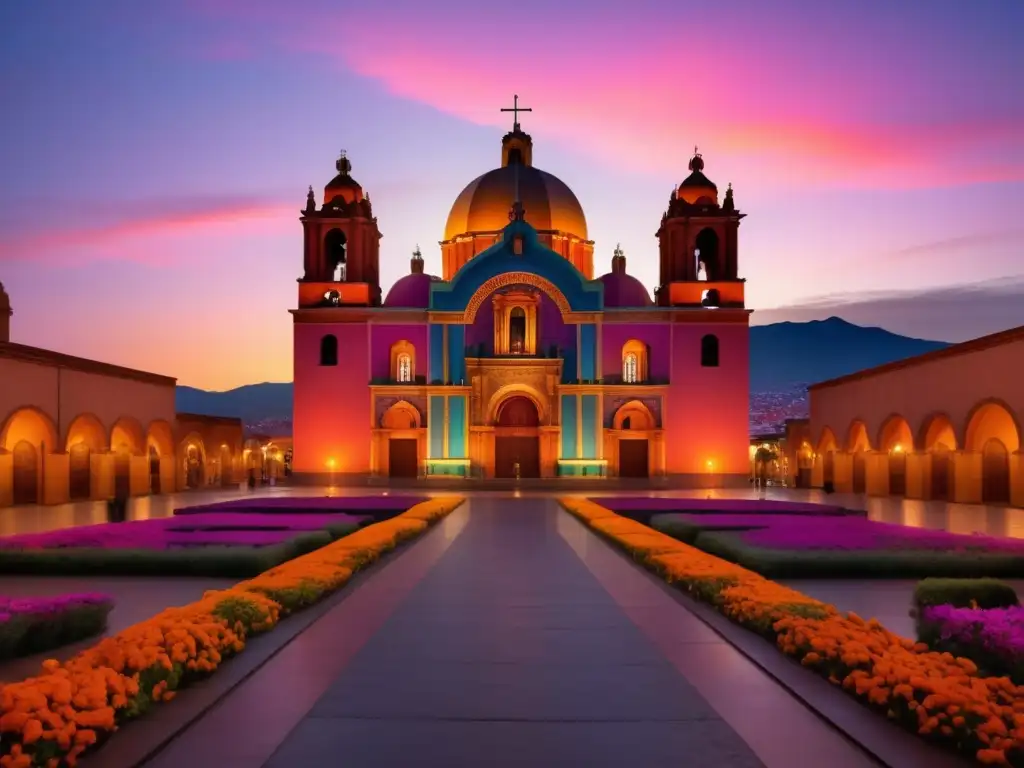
[[483, 206]]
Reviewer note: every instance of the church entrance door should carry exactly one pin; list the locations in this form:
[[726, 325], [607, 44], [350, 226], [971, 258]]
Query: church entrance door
[[79, 475], [510, 450], [633, 458], [26, 473], [517, 439], [403, 460]]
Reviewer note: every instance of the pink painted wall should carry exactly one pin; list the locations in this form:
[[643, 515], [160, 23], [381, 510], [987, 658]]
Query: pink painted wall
[[382, 336], [108, 398], [655, 335], [952, 385], [331, 417], [706, 409]]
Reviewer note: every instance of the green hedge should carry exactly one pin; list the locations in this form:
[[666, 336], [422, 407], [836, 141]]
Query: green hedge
[[227, 562], [30, 633], [985, 593], [833, 564]]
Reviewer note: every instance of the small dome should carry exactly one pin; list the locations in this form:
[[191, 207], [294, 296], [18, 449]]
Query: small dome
[[622, 290], [343, 185], [411, 292], [698, 189]]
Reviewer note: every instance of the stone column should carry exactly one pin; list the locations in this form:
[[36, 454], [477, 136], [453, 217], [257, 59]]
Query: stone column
[[6, 479], [877, 470], [1017, 479]]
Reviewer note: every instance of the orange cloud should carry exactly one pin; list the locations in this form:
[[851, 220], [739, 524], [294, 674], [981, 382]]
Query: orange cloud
[[119, 239]]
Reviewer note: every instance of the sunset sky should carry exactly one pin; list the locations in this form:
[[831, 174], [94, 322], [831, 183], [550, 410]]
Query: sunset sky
[[155, 155]]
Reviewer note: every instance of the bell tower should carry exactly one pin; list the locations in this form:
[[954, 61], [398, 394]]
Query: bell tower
[[341, 245], [698, 245]]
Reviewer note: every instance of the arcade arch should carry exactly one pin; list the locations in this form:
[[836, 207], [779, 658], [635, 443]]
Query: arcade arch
[[86, 437], [29, 435]]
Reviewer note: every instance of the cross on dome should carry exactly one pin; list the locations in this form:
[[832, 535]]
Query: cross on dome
[[515, 109]]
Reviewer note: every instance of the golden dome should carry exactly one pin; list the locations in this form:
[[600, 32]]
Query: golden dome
[[484, 205]]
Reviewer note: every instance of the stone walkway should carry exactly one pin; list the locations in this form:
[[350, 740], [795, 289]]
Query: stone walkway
[[509, 636]]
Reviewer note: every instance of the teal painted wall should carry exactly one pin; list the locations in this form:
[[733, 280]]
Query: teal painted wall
[[457, 426], [456, 353], [568, 427], [588, 352], [436, 372], [436, 426], [590, 426]]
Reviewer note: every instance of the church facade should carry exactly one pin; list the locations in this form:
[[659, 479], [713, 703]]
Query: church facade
[[516, 362]]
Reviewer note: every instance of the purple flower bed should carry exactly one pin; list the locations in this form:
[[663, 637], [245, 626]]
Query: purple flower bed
[[992, 638], [37, 624], [293, 505], [714, 506], [251, 530], [850, 533]]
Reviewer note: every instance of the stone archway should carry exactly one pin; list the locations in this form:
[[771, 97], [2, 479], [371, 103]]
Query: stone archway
[[859, 444], [938, 439], [192, 462], [827, 451], [29, 435], [517, 438], [159, 449], [635, 424], [86, 437], [127, 439], [896, 439], [992, 431]]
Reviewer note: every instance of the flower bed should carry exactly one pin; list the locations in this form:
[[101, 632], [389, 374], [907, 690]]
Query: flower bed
[[834, 546], [941, 697], [212, 544], [51, 719], [624, 505], [36, 624], [992, 638], [376, 506]]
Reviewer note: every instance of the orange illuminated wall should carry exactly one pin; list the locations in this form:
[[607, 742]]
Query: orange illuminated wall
[[706, 409], [331, 412]]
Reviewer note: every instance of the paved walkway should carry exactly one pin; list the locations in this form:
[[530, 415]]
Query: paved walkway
[[509, 636], [939, 515]]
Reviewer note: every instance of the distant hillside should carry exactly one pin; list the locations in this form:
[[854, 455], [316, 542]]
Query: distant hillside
[[251, 403], [782, 356], [785, 354]]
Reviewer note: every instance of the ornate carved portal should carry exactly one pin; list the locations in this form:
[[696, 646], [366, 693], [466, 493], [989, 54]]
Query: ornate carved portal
[[635, 445], [503, 393]]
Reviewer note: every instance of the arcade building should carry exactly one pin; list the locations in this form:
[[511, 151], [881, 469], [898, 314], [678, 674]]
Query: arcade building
[[516, 362]]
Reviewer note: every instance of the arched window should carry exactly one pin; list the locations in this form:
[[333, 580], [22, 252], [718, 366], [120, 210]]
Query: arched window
[[709, 351], [630, 366], [634, 362], [517, 331], [403, 362], [329, 350], [404, 365]]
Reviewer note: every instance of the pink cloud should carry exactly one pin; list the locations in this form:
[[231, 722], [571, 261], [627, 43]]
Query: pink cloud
[[167, 221], [647, 104]]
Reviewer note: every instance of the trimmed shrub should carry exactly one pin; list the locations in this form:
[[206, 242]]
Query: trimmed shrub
[[964, 593]]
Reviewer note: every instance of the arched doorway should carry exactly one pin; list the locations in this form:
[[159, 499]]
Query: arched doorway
[[154, 469], [226, 467], [896, 439], [86, 436], [193, 460], [634, 449], [401, 420], [938, 438], [995, 473], [992, 431], [29, 435], [517, 439], [26, 473]]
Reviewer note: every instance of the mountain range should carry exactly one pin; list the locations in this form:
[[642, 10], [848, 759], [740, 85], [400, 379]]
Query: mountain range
[[783, 356]]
